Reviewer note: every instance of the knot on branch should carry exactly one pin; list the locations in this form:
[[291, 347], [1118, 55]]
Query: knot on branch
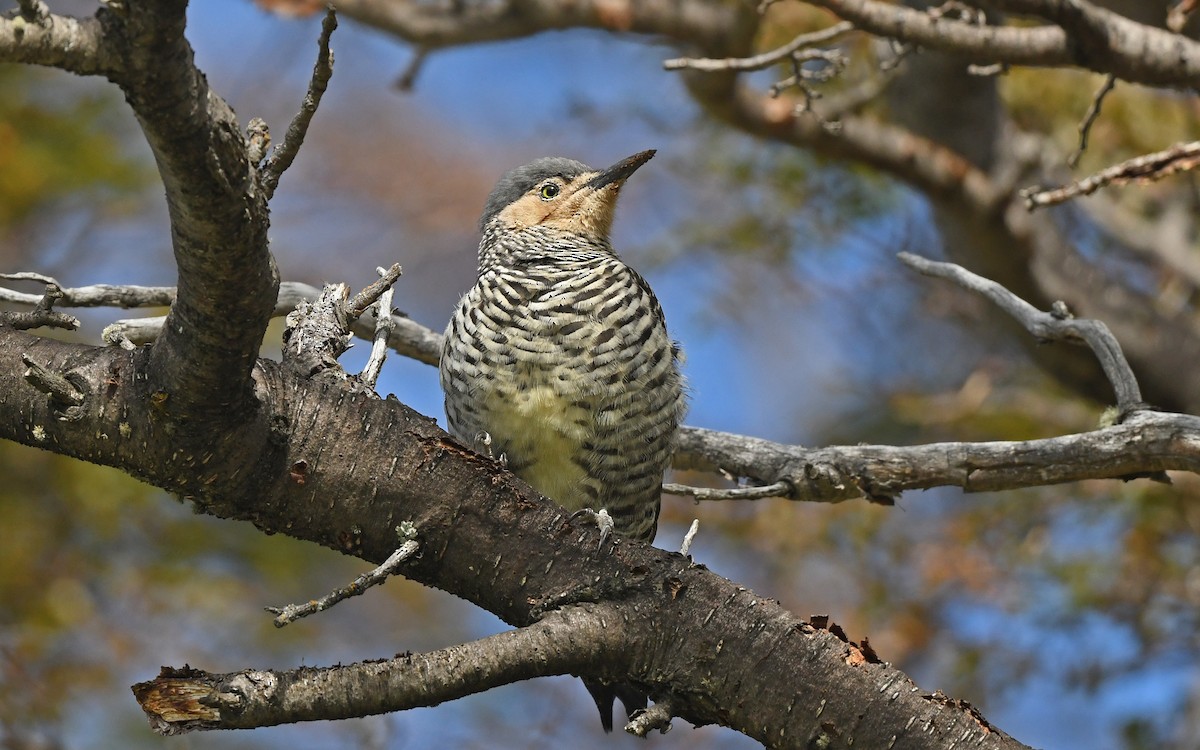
[[66, 393], [657, 716], [318, 332], [829, 483]]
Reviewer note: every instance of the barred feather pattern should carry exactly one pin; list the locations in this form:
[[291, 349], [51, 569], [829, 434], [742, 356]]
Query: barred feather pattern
[[560, 353]]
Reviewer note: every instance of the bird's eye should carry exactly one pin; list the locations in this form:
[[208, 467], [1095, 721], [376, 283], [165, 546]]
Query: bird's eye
[[549, 191]]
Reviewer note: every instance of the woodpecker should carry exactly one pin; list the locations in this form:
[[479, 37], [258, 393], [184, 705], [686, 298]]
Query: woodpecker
[[559, 359]]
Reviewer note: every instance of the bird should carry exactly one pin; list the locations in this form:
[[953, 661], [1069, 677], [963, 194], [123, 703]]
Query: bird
[[558, 359]]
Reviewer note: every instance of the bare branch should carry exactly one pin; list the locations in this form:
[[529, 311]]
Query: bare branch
[[766, 59], [572, 640], [1057, 325], [318, 332], [438, 25], [204, 357], [1085, 127], [374, 291], [72, 44], [290, 613], [1084, 36], [1141, 446], [779, 489], [407, 337], [689, 537], [285, 153], [408, 79], [1181, 157], [383, 330], [42, 313], [96, 295]]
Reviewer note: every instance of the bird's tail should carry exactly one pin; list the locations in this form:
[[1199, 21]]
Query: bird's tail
[[604, 693]]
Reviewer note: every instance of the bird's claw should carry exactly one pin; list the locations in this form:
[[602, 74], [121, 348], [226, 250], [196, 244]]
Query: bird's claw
[[483, 443], [601, 518], [483, 446]]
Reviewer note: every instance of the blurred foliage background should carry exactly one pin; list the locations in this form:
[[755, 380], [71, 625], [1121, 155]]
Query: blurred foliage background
[[1068, 614]]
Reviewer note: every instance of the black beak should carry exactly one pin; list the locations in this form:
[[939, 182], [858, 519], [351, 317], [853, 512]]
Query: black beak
[[620, 171]]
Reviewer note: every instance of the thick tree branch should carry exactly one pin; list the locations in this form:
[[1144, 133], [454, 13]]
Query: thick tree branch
[[386, 464], [71, 44], [572, 640], [227, 282], [1087, 37], [710, 25]]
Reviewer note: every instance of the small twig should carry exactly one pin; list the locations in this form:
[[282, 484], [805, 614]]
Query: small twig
[[778, 489], [408, 78], [766, 59], [292, 612], [30, 276], [1090, 118], [285, 153], [43, 314], [408, 338], [65, 397], [657, 716], [988, 71], [801, 76], [899, 51], [1057, 325], [383, 329], [1177, 17], [97, 295], [358, 304], [1179, 158], [689, 537]]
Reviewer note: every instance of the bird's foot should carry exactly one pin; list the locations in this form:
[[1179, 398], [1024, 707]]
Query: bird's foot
[[601, 518], [483, 445]]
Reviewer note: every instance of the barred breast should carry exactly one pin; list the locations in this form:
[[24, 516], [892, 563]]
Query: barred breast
[[565, 362]]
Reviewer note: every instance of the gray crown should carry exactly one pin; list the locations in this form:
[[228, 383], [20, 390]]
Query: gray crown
[[517, 182]]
